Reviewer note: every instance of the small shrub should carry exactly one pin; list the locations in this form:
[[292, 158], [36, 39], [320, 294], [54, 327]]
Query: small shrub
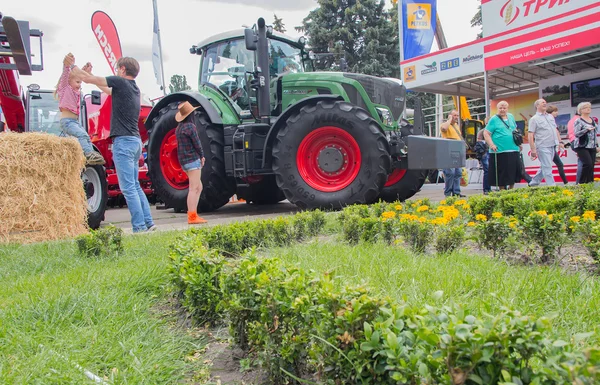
[[416, 232], [369, 228], [449, 238], [104, 242], [546, 231], [196, 272], [484, 205], [493, 233], [316, 222], [352, 229]]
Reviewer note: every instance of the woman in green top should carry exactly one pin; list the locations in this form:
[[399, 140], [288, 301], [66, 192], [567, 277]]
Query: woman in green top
[[504, 168]]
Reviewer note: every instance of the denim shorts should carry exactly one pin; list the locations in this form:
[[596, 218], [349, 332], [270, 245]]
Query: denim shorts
[[195, 165]]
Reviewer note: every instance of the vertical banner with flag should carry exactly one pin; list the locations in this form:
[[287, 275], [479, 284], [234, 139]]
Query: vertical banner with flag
[[106, 34], [157, 52], [417, 27]]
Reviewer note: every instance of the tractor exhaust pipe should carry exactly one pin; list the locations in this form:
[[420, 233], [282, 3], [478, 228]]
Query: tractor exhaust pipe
[[264, 102]]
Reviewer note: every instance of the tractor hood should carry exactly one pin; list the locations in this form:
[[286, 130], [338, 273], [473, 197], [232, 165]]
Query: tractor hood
[[390, 93]]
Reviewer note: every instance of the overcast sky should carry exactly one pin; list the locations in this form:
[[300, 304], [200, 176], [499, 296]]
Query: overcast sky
[[67, 28]]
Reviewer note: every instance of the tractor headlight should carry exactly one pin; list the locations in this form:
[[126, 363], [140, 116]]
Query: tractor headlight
[[386, 116]]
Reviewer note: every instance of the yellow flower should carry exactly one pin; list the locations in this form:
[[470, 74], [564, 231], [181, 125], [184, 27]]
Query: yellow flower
[[471, 224], [550, 217], [388, 215], [568, 193], [497, 215], [589, 215], [422, 219], [481, 217], [422, 208], [512, 225], [398, 207], [541, 212], [461, 202], [575, 219], [525, 195], [443, 202]]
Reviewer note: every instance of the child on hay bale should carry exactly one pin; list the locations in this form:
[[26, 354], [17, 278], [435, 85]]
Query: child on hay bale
[[68, 91]]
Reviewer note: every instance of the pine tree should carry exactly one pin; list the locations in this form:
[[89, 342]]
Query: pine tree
[[477, 21], [178, 83], [278, 24], [361, 31]]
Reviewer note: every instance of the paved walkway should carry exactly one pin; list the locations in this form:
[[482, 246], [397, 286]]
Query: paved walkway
[[168, 220]]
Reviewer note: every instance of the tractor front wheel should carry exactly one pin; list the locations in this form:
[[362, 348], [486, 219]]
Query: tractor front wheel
[[329, 155]]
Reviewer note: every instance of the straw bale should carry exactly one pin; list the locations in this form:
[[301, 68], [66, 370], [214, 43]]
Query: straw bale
[[41, 193]]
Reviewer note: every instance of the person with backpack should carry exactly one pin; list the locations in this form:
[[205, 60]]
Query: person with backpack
[[585, 142]]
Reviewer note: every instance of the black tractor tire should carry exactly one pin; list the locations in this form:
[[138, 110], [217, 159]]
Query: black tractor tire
[[264, 192], [313, 132], [405, 188], [217, 187], [96, 191]]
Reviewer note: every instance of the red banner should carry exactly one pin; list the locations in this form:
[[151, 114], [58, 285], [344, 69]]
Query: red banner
[[106, 33]]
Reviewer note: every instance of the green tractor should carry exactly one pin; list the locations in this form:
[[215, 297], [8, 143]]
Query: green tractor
[[272, 129]]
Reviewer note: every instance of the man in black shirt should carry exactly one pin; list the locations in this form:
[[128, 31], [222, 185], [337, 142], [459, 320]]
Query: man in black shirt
[[125, 134]]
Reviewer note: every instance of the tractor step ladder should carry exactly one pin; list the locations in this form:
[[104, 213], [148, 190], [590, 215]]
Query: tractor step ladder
[[239, 154]]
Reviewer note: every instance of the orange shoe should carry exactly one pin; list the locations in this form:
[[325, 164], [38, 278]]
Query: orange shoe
[[194, 219]]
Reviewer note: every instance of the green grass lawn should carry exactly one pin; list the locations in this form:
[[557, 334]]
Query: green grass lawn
[[61, 313], [478, 282]]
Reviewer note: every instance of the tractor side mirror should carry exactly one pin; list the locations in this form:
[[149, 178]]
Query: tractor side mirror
[[96, 98], [251, 39]]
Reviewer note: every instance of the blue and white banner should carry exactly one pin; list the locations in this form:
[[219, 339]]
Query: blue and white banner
[[417, 27]]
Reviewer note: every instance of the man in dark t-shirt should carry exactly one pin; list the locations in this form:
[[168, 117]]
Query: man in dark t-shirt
[[125, 134]]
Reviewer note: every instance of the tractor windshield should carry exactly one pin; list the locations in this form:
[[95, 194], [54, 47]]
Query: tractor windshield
[[43, 113], [225, 65]]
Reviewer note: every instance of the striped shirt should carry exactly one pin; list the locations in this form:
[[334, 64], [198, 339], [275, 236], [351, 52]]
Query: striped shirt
[[68, 98]]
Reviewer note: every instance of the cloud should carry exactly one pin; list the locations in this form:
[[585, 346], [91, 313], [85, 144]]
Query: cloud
[[278, 5], [141, 52], [50, 29]]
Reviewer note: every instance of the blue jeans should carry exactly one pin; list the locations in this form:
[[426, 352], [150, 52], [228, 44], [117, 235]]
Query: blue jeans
[[485, 165], [72, 127], [452, 181], [546, 156], [126, 155]]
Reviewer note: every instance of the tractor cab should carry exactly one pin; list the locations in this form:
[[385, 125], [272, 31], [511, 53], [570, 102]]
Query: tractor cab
[[228, 66], [43, 114]]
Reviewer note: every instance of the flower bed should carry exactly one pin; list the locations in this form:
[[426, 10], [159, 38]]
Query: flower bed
[[298, 324]]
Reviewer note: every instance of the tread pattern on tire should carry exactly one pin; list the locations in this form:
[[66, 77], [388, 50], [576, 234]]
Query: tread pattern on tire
[[381, 163], [95, 219]]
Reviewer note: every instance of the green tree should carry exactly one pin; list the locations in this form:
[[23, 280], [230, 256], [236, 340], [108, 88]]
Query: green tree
[[278, 24], [178, 83], [477, 21], [361, 31]]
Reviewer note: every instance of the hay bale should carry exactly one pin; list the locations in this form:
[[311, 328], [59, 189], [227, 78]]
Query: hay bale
[[41, 194]]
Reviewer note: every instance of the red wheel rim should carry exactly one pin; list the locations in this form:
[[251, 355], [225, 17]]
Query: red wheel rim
[[395, 177], [169, 163], [328, 159]]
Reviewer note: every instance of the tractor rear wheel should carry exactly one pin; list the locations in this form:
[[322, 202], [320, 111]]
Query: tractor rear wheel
[[329, 155], [96, 192], [403, 184], [169, 181]]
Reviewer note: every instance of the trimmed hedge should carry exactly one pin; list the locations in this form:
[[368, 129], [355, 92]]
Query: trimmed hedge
[[301, 326]]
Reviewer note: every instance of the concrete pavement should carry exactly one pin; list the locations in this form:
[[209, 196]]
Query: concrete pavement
[[167, 220]]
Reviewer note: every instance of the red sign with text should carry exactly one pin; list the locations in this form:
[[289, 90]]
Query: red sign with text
[[543, 49]]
